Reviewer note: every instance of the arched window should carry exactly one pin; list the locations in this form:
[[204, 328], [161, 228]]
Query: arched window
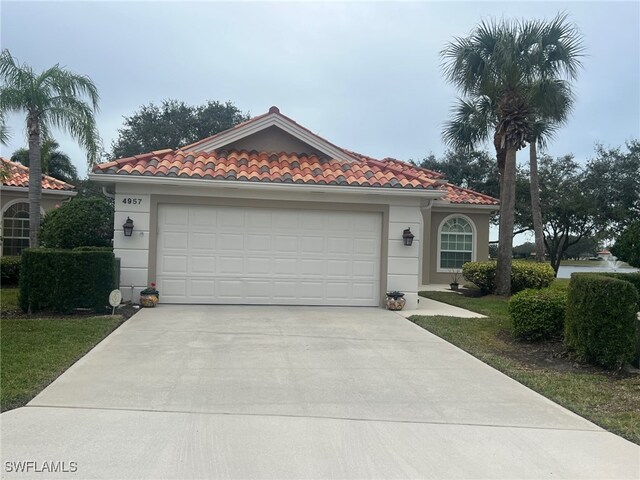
[[456, 243], [15, 229]]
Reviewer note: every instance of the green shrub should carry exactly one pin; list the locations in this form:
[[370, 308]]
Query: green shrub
[[93, 249], [523, 275], [600, 324], [9, 270], [537, 314], [633, 278], [62, 280], [77, 223]]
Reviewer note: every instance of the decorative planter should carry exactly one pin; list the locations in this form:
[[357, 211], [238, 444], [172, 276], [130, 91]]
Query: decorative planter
[[453, 286], [148, 300], [395, 301]]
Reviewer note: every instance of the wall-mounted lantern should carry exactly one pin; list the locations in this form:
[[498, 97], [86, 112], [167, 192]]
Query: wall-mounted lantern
[[407, 237], [128, 227]]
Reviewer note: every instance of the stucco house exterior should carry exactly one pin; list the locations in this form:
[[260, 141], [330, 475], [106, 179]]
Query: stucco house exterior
[[14, 202], [268, 212]]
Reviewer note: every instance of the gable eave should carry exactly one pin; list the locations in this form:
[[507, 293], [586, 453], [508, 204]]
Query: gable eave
[[273, 119]]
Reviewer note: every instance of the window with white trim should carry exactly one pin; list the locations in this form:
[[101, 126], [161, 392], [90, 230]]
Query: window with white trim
[[456, 243], [15, 229]]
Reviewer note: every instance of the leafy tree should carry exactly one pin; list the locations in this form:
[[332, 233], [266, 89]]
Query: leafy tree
[[476, 170], [568, 206], [584, 247], [613, 177], [500, 69], [524, 250], [81, 222], [52, 98], [627, 246], [173, 124], [473, 169], [54, 162]]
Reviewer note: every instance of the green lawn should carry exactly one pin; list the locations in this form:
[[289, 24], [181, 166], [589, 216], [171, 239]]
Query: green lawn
[[8, 299], [35, 351], [609, 400]]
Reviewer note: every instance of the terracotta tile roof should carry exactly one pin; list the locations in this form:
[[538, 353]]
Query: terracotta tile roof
[[291, 168], [269, 167], [18, 176]]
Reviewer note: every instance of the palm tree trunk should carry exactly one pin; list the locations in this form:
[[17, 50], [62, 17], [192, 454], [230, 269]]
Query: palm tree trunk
[[35, 179], [507, 220], [536, 209]]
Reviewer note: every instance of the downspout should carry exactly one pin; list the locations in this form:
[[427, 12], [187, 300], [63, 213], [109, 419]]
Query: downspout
[[425, 257], [107, 194]]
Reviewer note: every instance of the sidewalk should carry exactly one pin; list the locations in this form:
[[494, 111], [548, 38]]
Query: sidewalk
[[432, 308]]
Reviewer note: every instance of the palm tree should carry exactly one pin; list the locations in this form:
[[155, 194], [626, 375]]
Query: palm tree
[[4, 131], [552, 102], [54, 162], [500, 70], [52, 98]]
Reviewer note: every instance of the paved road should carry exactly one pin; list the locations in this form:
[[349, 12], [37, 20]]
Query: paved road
[[273, 392]]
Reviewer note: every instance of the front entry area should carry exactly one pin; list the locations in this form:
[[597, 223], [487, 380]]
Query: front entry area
[[250, 255]]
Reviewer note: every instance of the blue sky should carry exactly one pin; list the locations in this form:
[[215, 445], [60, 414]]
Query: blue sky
[[364, 75]]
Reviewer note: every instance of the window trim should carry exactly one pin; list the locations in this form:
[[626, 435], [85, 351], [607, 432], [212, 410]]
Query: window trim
[[6, 207], [474, 240]]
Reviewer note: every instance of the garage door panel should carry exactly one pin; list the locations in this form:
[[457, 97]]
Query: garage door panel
[[173, 264], [338, 291], [312, 244], [208, 254], [203, 217], [258, 243], [202, 241], [202, 288], [365, 246], [258, 265], [285, 244], [173, 216], [230, 289], [204, 265], [176, 240], [230, 265]]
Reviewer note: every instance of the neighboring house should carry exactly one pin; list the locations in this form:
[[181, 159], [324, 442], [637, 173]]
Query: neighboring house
[[14, 197], [268, 212], [604, 255]]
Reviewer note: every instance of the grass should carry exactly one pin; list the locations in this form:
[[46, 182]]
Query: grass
[[35, 351], [609, 400], [8, 299]]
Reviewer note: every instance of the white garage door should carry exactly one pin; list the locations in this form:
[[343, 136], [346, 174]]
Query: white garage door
[[240, 255]]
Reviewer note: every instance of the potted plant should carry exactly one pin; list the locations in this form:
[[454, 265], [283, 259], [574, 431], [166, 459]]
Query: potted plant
[[395, 300], [455, 276], [149, 296]]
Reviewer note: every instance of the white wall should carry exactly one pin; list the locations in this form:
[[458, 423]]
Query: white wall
[[133, 251], [404, 262]]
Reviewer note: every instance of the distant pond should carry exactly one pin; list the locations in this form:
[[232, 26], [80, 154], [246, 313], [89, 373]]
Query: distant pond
[[565, 272]]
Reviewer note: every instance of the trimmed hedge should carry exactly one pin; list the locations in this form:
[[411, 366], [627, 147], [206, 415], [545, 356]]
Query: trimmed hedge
[[600, 324], [9, 270], [62, 280], [523, 275], [538, 314]]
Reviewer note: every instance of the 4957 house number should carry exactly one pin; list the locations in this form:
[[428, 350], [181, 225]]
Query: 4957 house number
[[132, 201]]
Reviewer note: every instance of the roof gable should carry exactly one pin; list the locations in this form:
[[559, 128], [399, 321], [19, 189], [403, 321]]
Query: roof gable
[[273, 118]]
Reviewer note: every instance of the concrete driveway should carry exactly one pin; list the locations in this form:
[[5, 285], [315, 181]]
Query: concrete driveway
[[295, 392]]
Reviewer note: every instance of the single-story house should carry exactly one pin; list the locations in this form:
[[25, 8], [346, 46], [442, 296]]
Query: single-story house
[[14, 202], [268, 212]]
